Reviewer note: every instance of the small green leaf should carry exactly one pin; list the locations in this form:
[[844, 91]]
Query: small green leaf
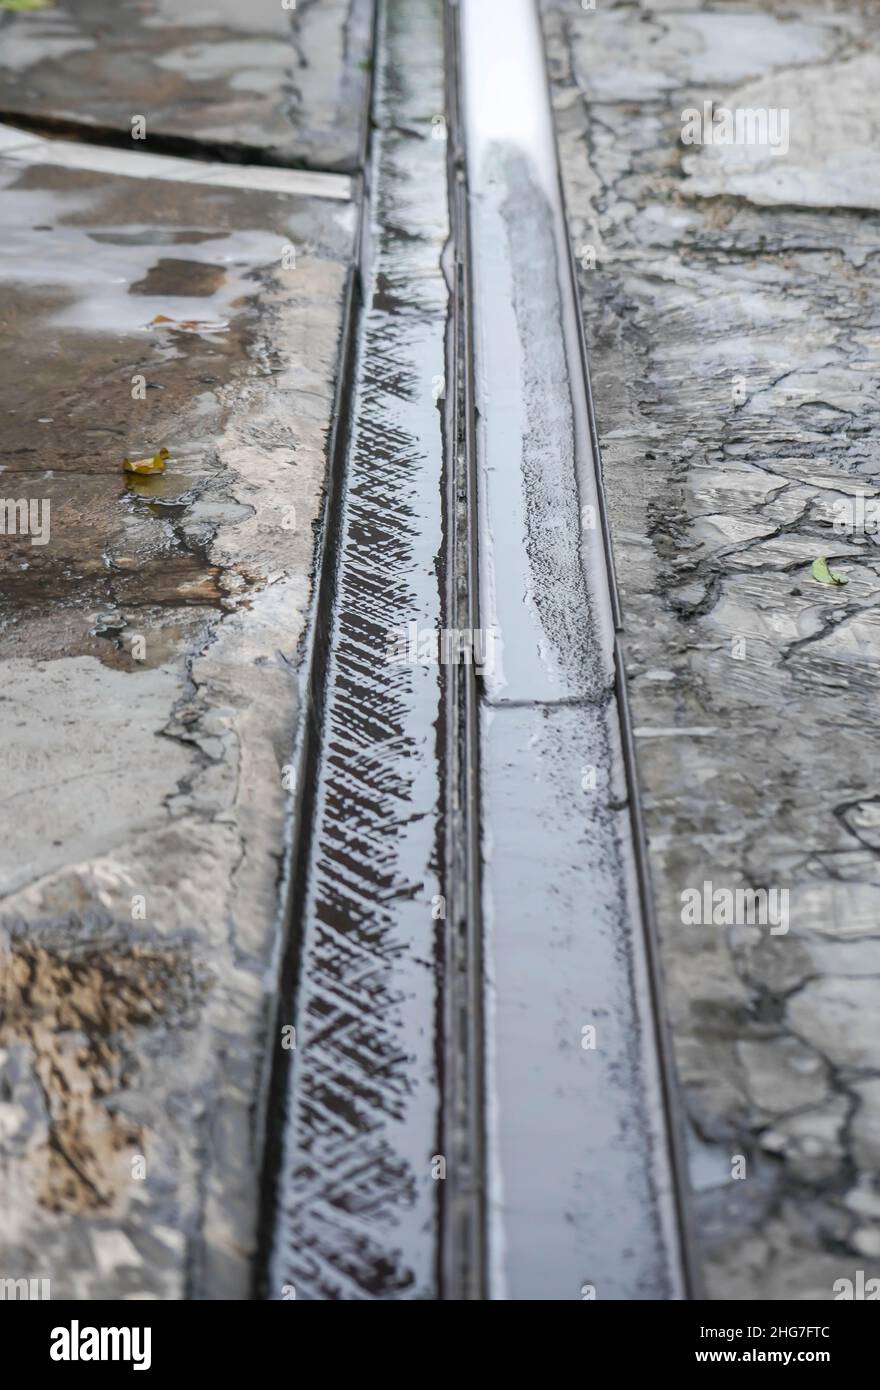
[[824, 574]]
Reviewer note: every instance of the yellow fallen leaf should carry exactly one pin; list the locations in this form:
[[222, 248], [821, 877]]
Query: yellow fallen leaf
[[190, 325], [154, 465]]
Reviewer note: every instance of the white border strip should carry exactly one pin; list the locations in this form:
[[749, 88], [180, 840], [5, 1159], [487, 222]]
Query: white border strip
[[22, 147]]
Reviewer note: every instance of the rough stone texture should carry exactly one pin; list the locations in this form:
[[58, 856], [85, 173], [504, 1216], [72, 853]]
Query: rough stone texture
[[289, 82], [733, 324], [145, 810]]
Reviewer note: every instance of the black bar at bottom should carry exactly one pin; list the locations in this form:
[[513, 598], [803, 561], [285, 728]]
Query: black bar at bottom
[[262, 1338]]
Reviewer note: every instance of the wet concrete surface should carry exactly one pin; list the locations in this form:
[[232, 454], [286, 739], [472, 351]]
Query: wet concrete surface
[[358, 1192], [729, 299], [112, 347], [152, 695], [289, 83], [150, 666], [149, 704]]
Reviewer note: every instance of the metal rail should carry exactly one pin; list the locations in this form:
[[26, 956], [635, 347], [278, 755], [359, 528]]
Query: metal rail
[[464, 1207]]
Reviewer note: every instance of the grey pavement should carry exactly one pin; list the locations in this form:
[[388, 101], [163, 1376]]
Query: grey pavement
[[288, 81], [730, 302], [150, 695]]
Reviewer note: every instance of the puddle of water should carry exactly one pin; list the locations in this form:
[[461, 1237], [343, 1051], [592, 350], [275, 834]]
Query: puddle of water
[[121, 283]]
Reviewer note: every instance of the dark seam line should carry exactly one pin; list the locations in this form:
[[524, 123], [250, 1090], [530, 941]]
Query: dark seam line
[[179, 146]]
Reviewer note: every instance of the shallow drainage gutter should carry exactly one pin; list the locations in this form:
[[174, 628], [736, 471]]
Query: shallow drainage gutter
[[584, 1183]]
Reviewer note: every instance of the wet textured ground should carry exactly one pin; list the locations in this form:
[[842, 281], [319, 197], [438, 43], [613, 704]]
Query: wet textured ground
[[326, 968], [289, 82], [151, 674], [732, 321], [149, 702]]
